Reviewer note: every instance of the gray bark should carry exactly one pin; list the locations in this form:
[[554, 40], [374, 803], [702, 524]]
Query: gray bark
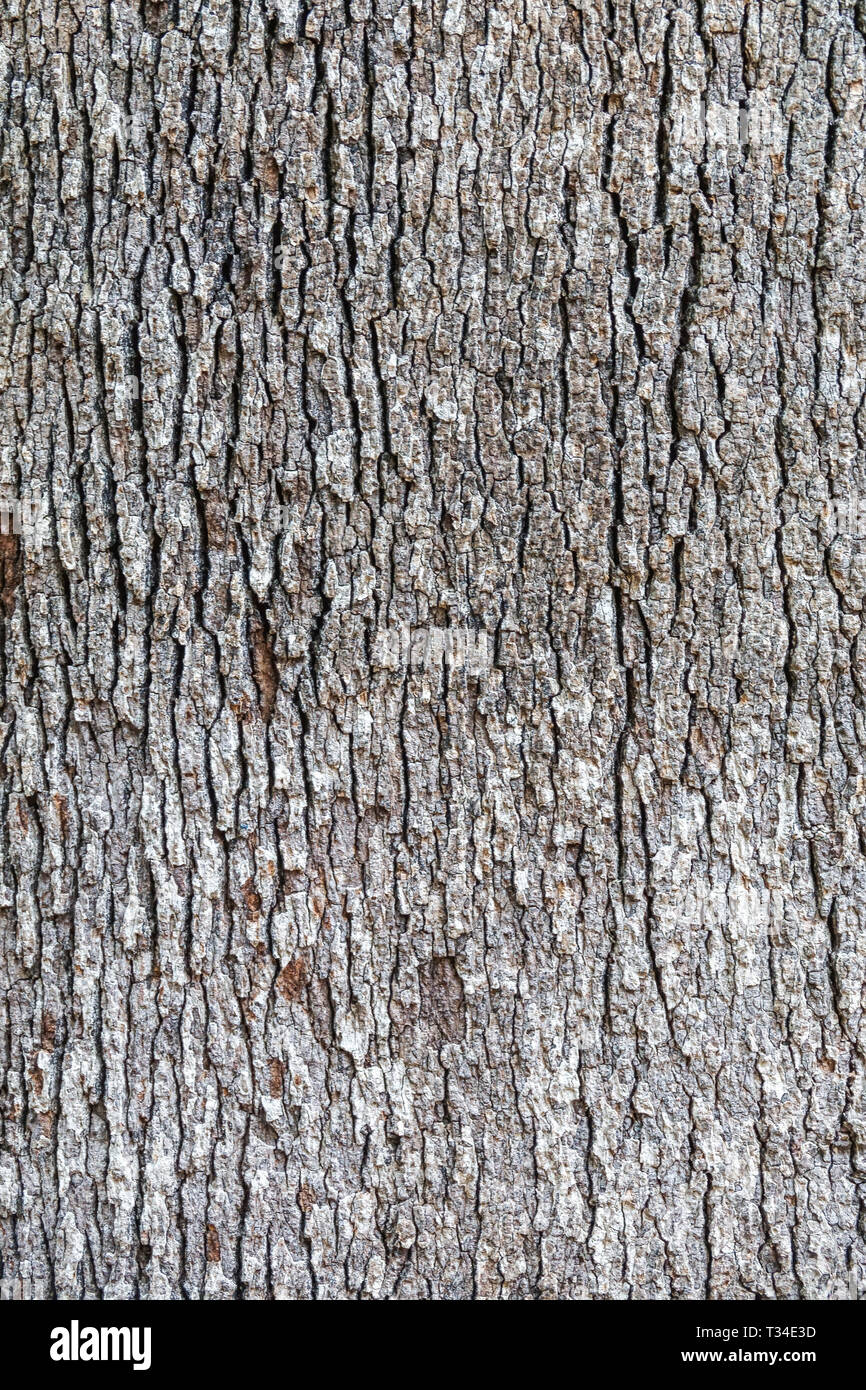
[[333, 971]]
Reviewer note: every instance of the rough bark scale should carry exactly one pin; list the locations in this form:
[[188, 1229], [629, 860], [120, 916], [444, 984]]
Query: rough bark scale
[[327, 978]]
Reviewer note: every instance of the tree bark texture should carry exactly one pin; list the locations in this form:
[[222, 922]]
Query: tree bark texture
[[326, 976]]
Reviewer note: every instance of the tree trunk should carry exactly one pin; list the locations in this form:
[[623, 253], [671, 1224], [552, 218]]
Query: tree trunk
[[342, 958]]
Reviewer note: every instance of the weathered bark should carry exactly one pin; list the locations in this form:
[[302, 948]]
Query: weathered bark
[[330, 975]]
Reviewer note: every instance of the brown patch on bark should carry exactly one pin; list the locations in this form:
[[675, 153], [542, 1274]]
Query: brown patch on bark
[[213, 1245], [49, 1032], [10, 572], [292, 980], [252, 899], [270, 174], [306, 1199], [264, 669], [63, 814], [277, 1070]]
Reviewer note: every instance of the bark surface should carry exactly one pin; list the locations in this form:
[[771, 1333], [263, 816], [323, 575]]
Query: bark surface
[[327, 974]]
